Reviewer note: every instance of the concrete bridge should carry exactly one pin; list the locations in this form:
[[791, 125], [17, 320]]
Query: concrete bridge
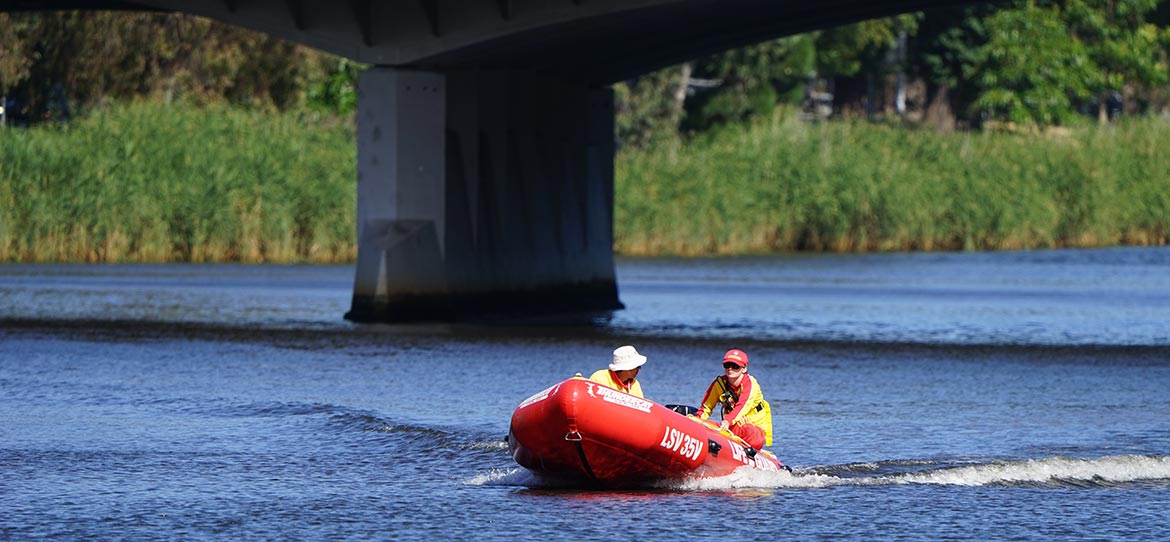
[[485, 131]]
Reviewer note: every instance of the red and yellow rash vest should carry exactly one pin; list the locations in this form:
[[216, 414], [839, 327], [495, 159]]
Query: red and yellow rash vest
[[607, 377], [750, 408]]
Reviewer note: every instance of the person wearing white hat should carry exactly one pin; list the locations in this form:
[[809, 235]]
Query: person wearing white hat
[[622, 373]]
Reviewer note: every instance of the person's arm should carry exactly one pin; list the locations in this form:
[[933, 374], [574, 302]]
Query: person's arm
[[709, 401]]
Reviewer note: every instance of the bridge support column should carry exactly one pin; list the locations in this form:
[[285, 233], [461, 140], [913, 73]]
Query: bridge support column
[[482, 193]]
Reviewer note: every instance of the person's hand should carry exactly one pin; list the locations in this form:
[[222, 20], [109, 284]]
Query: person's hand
[[724, 425]]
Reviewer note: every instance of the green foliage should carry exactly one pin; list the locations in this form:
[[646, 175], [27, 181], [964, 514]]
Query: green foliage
[[1034, 62], [1125, 48], [1042, 60], [644, 109], [94, 57], [783, 184], [752, 80], [860, 47], [947, 43], [149, 182], [1032, 70], [14, 55], [337, 92]]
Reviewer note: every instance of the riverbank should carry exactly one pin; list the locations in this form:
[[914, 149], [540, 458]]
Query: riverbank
[[155, 183]]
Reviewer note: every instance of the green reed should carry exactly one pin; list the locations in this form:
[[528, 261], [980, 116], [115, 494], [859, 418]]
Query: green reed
[[783, 184], [150, 182]]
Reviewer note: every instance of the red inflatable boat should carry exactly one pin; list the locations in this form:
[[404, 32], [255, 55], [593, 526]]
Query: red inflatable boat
[[580, 430]]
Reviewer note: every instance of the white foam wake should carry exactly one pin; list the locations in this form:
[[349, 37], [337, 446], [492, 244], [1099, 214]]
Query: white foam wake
[[506, 477], [1052, 471]]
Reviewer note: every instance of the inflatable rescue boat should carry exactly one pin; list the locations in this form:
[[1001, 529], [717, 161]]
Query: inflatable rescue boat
[[582, 431]]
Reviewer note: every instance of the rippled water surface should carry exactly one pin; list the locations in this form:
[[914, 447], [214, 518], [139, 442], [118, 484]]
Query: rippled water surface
[[918, 397]]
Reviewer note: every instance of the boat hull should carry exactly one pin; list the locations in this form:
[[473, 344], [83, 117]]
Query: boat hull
[[584, 431]]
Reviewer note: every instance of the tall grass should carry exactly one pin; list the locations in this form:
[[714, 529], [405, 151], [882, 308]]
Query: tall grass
[[783, 185], [158, 183]]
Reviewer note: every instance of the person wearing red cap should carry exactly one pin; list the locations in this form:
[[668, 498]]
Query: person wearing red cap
[[745, 412], [622, 373]]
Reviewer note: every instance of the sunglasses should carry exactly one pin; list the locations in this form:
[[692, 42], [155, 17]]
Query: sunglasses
[[730, 365]]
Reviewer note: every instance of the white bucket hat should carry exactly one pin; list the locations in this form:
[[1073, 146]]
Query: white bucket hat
[[626, 358]]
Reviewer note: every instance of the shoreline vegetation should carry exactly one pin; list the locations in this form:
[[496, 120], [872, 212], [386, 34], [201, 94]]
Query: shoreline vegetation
[[782, 184], [174, 183], [155, 183]]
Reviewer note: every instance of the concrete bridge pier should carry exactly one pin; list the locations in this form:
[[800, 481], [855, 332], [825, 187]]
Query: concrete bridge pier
[[482, 193]]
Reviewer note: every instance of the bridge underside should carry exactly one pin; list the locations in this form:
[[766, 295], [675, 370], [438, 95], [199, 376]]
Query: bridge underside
[[595, 41], [485, 174], [482, 193]]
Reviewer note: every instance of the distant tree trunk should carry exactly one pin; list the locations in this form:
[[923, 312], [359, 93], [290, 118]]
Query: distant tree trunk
[[1103, 109], [169, 92], [677, 105], [900, 85], [940, 111], [1129, 104], [900, 94], [680, 94], [870, 96]]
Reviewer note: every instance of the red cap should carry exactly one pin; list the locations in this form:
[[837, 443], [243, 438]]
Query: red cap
[[736, 356]]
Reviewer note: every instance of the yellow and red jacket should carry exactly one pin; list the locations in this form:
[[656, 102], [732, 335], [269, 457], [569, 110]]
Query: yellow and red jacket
[[744, 404], [607, 377]]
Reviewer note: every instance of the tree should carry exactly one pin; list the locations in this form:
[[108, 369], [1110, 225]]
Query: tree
[[751, 81], [1121, 43], [94, 57], [644, 108], [945, 48], [1031, 70], [1043, 59], [14, 56], [858, 57]]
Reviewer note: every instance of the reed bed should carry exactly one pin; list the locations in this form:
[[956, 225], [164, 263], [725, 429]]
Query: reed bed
[[157, 183], [787, 185]]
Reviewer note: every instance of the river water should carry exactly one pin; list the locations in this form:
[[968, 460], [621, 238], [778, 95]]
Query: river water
[[922, 397]]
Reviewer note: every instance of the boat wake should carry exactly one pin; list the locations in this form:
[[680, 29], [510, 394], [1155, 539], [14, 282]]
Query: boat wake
[[1109, 471], [508, 477], [1052, 472]]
